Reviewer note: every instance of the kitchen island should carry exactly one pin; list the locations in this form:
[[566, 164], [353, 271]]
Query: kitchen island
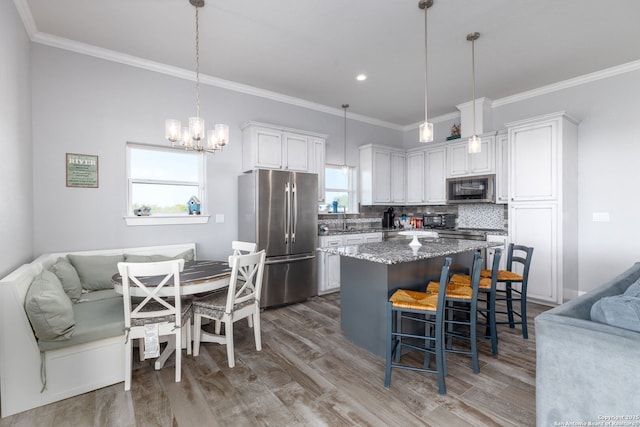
[[371, 272]]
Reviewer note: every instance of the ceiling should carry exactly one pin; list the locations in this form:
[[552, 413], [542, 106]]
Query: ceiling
[[312, 50]]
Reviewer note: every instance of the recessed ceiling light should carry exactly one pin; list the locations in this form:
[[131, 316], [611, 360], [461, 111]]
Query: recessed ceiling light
[[361, 77]]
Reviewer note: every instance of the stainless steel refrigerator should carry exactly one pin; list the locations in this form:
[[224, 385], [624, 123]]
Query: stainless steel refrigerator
[[279, 211]]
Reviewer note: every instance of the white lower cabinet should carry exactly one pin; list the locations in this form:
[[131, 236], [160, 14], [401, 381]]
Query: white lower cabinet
[[329, 264]]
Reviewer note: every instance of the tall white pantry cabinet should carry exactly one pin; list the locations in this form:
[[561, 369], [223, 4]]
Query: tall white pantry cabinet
[[543, 202]]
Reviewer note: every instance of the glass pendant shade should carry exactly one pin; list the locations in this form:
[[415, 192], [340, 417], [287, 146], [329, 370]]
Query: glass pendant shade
[[426, 132], [172, 130], [345, 169], [221, 135], [474, 145], [196, 128], [187, 142]]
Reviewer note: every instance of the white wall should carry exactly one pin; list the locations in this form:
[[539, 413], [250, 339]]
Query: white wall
[[16, 213], [91, 106], [608, 159]]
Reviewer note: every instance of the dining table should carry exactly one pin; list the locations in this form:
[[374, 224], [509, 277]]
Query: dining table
[[197, 277]]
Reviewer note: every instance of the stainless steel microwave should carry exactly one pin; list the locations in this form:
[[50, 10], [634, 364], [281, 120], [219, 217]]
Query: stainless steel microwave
[[471, 189]]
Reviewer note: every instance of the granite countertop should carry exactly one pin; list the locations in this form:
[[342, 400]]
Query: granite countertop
[[399, 251], [330, 232]]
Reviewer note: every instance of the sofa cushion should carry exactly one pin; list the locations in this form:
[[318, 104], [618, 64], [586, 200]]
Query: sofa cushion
[[95, 271], [49, 309], [186, 255], [618, 310], [95, 320], [633, 290], [68, 277]]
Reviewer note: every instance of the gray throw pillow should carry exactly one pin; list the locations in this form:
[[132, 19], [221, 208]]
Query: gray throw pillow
[[49, 309], [618, 310], [95, 271], [68, 277], [186, 255]]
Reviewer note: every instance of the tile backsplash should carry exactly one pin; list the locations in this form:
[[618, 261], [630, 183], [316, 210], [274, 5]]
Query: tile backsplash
[[485, 215]]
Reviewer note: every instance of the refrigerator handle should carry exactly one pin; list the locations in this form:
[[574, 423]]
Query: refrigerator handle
[[295, 213], [287, 216]]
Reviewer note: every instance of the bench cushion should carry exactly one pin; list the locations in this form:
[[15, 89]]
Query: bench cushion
[[49, 309], [95, 271], [95, 320], [187, 255]]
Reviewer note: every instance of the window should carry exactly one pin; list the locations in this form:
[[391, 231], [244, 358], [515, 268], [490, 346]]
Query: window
[[163, 179], [339, 187]]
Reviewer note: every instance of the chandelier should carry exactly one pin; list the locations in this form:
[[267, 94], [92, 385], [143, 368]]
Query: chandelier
[[426, 128], [192, 138]]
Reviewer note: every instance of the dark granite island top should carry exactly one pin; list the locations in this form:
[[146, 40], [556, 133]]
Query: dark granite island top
[[371, 272]]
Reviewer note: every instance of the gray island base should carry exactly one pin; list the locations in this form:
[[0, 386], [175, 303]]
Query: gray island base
[[371, 272]]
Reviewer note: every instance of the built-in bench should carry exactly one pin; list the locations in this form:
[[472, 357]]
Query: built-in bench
[[35, 372]]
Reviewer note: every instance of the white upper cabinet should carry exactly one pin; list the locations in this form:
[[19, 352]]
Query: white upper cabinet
[[381, 175], [436, 169], [502, 168], [318, 162], [461, 163], [295, 152], [415, 176], [397, 177], [273, 147]]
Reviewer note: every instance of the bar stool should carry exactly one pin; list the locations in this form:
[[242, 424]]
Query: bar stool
[[487, 288], [461, 302], [518, 258], [418, 310]]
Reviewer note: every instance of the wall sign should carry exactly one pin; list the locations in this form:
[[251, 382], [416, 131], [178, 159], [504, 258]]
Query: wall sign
[[82, 171]]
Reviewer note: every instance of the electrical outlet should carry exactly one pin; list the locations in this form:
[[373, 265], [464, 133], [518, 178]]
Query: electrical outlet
[[219, 218], [600, 217]]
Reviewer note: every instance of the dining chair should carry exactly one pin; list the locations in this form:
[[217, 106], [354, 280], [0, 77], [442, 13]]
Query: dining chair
[[461, 302], [160, 312], [422, 312], [242, 300], [486, 288], [517, 272], [243, 248]]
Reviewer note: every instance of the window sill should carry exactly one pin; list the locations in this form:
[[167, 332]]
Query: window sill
[[166, 220]]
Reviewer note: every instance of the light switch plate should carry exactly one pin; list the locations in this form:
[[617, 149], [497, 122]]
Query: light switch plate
[[219, 218], [600, 217]]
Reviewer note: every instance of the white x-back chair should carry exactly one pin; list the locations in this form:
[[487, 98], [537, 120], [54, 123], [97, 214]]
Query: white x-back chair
[[161, 304], [242, 300]]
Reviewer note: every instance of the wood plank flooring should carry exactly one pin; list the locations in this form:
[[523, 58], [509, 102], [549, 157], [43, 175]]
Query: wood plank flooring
[[308, 374]]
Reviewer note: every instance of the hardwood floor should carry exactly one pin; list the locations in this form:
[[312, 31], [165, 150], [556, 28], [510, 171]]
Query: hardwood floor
[[308, 374]]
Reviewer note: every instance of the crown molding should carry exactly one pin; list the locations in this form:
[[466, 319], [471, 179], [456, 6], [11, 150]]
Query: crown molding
[[27, 18], [569, 83], [134, 61]]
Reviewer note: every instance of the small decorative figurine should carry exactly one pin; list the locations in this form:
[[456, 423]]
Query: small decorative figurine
[[143, 210], [455, 132], [194, 206]]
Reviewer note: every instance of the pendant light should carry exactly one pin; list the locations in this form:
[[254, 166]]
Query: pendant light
[[474, 145], [345, 167], [191, 138], [426, 128]]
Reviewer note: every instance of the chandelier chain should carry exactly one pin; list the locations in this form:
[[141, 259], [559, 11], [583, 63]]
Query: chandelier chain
[[197, 62], [425, 64]]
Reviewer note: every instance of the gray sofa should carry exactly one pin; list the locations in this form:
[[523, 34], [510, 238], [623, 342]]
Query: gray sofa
[[587, 371]]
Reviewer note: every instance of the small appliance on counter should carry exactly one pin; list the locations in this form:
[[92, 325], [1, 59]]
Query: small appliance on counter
[[388, 218], [439, 221]]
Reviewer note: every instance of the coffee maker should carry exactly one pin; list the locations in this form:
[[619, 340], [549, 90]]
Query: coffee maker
[[388, 218]]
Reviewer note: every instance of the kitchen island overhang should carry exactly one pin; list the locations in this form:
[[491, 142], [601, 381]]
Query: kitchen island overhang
[[371, 272]]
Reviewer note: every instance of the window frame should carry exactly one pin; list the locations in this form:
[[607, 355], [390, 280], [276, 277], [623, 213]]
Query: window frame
[[161, 218], [352, 190]]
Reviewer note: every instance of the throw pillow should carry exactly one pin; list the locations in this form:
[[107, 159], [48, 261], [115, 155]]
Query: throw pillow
[[618, 310], [68, 277], [95, 271], [186, 255], [49, 309]]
